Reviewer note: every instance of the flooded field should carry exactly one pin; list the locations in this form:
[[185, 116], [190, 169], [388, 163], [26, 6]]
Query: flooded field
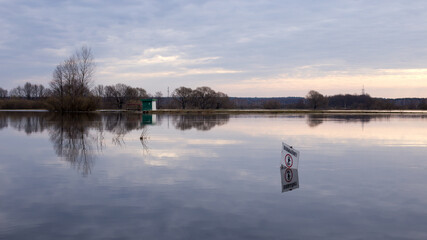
[[129, 176]]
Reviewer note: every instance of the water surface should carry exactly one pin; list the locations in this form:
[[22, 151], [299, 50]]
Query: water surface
[[125, 176]]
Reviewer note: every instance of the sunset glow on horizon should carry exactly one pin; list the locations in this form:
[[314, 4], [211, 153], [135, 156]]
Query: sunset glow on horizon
[[241, 48]]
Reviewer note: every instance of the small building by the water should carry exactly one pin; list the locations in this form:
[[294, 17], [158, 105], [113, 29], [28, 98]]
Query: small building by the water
[[149, 104]]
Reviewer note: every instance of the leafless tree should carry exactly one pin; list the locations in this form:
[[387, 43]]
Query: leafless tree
[[29, 91], [3, 93], [204, 98], [99, 91], [17, 92], [122, 93], [141, 93], [316, 100], [222, 101], [72, 80], [85, 67], [182, 96]]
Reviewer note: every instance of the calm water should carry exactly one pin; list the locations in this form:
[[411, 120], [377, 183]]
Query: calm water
[[211, 177]]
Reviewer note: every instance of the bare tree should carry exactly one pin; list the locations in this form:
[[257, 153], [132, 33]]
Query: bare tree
[[17, 92], [182, 96], [142, 93], [40, 91], [72, 80], [3, 93], [222, 101], [28, 90], [99, 91], [122, 93], [85, 66], [204, 98], [316, 100]]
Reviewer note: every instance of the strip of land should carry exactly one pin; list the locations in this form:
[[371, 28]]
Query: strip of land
[[278, 111]]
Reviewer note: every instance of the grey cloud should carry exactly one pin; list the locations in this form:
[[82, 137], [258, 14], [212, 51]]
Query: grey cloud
[[257, 38]]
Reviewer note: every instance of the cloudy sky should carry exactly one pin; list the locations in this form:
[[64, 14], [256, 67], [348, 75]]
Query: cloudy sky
[[243, 48]]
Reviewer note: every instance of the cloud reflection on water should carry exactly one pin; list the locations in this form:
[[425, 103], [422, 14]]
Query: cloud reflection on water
[[204, 184], [78, 138]]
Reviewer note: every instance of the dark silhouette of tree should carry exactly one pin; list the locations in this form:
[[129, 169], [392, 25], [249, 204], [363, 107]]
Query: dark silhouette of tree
[[182, 96], [122, 93], [73, 140], [204, 98], [99, 91], [316, 100], [3, 93], [348, 101], [199, 122], [223, 101], [71, 83], [29, 91]]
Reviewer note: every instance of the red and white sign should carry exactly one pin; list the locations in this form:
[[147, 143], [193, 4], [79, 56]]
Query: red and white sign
[[290, 156], [289, 177]]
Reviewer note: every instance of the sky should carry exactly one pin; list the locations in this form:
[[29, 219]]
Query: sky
[[256, 48]]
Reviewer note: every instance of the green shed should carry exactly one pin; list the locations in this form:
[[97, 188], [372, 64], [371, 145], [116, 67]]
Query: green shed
[[148, 104]]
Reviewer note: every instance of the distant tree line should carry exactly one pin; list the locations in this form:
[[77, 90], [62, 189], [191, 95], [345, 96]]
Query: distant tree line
[[315, 100], [199, 98], [72, 89]]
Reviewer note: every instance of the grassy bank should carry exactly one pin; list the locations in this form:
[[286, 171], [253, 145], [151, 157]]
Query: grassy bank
[[19, 104], [277, 111]]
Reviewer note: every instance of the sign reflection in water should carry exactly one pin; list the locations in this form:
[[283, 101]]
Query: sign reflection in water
[[205, 177], [289, 168], [289, 178]]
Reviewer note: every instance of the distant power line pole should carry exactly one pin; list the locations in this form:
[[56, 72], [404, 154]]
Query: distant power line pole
[[363, 90], [168, 91]]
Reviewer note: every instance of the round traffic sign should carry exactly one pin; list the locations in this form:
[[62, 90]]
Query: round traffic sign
[[289, 174], [289, 161]]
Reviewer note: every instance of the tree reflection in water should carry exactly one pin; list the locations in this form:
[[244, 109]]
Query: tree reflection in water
[[3, 121], [29, 122], [144, 138], [313, 120], [121, 124], [199, 122], [79, 137], [73, 140]]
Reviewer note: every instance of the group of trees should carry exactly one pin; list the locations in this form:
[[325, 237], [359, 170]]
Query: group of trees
[[29, 91], [3, 93], [200, 98], [315, 100], [72, 89], [119, 94], [72, 81]]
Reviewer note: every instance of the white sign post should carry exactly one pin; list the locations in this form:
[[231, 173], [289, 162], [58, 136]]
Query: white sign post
[[290, 157]]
